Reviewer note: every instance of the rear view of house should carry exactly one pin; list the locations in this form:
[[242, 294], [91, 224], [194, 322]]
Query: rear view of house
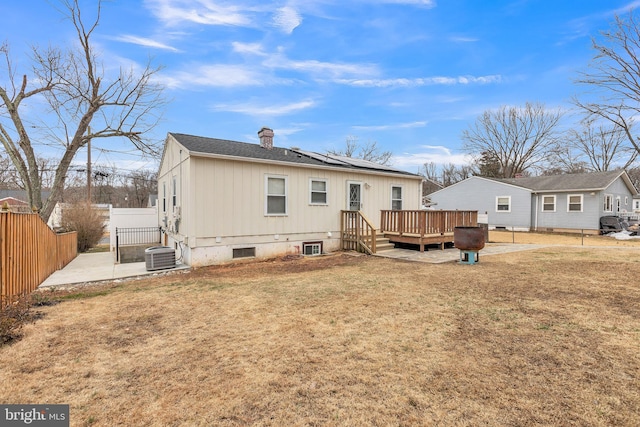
[[222, 200]]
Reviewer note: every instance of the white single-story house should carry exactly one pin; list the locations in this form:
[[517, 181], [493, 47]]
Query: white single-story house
[[569, 202], [221, 200]]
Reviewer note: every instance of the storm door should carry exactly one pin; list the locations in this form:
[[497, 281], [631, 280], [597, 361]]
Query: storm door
[[355, 195]]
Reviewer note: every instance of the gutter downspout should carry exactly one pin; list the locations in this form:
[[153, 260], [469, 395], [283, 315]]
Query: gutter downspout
[[536, 214]]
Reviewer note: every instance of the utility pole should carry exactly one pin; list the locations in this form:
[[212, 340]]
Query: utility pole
[[89, 168]]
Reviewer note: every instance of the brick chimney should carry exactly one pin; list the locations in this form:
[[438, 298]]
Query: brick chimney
[[266, 138]]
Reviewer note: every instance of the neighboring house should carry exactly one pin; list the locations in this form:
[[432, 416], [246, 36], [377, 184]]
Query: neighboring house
[[15, 205], [547, 203], [429, 186], [21, 196], [220, 200]]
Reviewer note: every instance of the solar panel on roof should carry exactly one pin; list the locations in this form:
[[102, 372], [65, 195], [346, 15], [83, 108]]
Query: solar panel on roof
[[364, 163], [321, 157]]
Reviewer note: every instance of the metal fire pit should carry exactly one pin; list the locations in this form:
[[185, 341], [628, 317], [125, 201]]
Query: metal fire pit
[[469, 240]]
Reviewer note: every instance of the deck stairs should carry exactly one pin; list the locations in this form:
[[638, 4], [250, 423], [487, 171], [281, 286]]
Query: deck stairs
[[383, 243]]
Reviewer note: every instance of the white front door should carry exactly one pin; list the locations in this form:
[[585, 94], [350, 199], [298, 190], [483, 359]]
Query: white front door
[[354, 196]]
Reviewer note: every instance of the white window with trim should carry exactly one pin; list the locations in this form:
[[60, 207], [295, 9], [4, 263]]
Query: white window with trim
[[318, 191], [312, 248], [174, 195], [503, 204], [608, 203], [164, 196], [396, 198], [618, 204], [636, 204], [275, 195], [574, 203], [548, 203]]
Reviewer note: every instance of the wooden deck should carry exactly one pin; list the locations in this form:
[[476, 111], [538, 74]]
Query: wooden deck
[[424, 227], [419, 227]]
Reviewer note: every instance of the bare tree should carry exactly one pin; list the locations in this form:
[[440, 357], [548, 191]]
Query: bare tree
[[85, 103], [430, 171], [143, 184], [603, 147], [613, 78], [368, 151], [634, 174], [8, 177], [517, 138]]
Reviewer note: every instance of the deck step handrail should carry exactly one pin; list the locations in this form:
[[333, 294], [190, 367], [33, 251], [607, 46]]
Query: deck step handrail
[[357, 232]]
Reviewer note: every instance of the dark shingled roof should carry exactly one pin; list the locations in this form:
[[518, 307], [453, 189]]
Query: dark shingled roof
[[578, 181], [222, 147]]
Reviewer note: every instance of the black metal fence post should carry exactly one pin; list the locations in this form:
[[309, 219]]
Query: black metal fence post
[[117, 247]]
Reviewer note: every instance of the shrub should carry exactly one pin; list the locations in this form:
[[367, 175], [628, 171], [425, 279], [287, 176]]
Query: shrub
[[12, 316], [86, 221]]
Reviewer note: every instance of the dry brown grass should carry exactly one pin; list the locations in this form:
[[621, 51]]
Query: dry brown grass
[[546, 337], [560, 239]]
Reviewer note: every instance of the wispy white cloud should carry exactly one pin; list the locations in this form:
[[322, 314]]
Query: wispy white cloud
[[409, 125], [430, 153], [215, 12], [624, 9], [424, 3], [205, 12], [249, 48], [332, 70], [256, 109], [217, 76], [463, 39], [428, 81], [287, 19], [143, 41]]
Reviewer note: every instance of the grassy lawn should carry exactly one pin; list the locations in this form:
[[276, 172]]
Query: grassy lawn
[[546, 337]]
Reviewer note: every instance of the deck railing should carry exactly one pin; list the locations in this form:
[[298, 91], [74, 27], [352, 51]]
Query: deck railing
[[421, 223], [357, 232]]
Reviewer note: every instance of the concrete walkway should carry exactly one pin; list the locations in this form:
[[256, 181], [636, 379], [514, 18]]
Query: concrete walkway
[[101, 266], [437, 256], [98, 267]]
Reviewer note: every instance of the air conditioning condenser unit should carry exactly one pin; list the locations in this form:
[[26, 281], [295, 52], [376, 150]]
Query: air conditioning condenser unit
[[159, 258]]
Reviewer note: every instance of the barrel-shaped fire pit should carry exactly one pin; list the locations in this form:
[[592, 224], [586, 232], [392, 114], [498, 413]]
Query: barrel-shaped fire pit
[[469, 240]]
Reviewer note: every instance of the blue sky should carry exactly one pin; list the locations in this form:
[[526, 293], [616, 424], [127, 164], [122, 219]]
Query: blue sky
[[408, 74]]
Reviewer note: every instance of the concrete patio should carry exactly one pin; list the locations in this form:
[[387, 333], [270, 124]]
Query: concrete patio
[[98, 267]]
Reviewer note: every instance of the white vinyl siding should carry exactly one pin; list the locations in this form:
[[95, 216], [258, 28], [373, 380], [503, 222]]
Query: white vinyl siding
[[503, 204], [276, 195], [396, 198], [548, 203], [317, 191], [574, 203], [224, 213]]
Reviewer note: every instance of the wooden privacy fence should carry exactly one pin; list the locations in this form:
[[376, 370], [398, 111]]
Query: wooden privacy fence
[[423, 227], [357, 233], [30, 252]]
